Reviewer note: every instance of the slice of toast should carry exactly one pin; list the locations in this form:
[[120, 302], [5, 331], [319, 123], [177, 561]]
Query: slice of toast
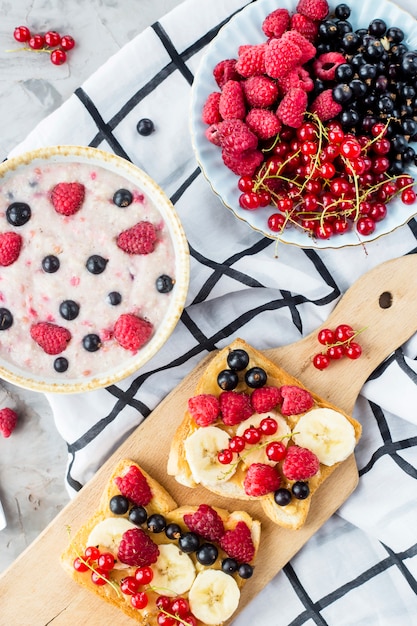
[[233, 480], [177, 573]]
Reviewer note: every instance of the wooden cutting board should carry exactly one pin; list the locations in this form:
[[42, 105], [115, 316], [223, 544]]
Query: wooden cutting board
[[35, 590]]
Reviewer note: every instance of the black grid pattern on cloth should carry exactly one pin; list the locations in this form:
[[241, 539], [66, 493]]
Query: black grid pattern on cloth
[[202, 330]]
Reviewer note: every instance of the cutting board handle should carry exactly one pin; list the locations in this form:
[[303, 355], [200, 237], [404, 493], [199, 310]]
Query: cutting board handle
[[383, 303]]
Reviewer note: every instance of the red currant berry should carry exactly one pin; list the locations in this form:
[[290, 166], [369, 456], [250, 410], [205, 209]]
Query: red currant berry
[[275, 451], [106, 561], [163, 602], [276, 222], [268, 426], [252, 435], [326, 336], [378, 211], [381, 146], [340, 226], [190, 620], [52, 38], [335, 352], [144, 575], [58, 57], [350, 148], [408, 196], [21, 34], [343, 332], [264, 197], [92, 553], [249, 201], [245, 183], [323, 231], [225, 457], [139, 600], [285, 204], [180, 607], [328, 170], [353, 350], [379, 129], [307, 131], [79, 565], [67, 42], [321, 361], [129, 585], [99, 577], [36, 42], [404, 181], [166, 620], [237, 444], [365, 225]]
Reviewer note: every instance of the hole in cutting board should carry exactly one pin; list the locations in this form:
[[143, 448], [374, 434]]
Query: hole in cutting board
[[385, 300]]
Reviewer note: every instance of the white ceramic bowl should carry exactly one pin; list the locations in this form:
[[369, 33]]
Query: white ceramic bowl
[[246, 28], [91, 229]]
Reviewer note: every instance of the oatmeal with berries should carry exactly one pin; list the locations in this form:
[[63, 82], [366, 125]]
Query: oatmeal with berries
[[87, 269]]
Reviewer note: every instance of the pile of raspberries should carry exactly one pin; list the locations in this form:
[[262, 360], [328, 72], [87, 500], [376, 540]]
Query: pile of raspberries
[[267, 86]]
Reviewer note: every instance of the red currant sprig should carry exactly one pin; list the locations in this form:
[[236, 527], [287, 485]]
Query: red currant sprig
[[51, 42], [339, 343]]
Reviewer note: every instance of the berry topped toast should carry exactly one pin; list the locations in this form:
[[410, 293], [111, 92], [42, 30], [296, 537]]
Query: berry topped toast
[[155, 561], [254, 432]]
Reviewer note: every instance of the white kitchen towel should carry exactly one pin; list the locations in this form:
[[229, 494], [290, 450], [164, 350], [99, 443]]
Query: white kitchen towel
[[361, 567]]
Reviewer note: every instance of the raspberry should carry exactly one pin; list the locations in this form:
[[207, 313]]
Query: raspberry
[[263, 123], [281, 56], [10, 246], [244, 164], [325, 65], [211, 114], [134, 486], [67, 198], [131, 331], [232, 101], [300, 463], [235, 407], [206, 522], [136, 548], [314, 9], [204, 408], [214, 135], [139, 239], [51, 338], [308, 51], [324, 106], [260, 91], [261, 479], [251, 60], [225, 70], [276, 23], [304, 25], [292, 107], [265, 398], [236, 137], [8, 421], [238, 544], [295, 400], [296, 78]]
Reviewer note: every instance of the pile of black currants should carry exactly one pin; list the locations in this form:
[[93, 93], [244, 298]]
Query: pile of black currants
[[377, 82]]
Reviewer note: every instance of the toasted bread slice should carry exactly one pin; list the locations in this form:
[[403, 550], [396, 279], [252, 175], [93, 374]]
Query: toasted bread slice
[[230, 481], [107, 528]]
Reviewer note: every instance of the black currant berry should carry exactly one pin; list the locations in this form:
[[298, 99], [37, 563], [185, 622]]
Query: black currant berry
[[238, 359], [377, 27], [18, 213], [207, 554], [189, 542], [256, 377], [227, 380], [61, 364], [6, 319], [145, 127], [164, 283], [91, 342], [119, 505], [173, 531], [114, 298], [229, 565], [138, 515], [342, 94], [342, 11], [156, 523], [245, 570], [69, 309], [301, 490], [282, 496], [96, 264], [122, 198], [50, 264]]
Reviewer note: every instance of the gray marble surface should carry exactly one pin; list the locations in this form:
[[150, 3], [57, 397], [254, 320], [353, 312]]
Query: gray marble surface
[[33, 459]]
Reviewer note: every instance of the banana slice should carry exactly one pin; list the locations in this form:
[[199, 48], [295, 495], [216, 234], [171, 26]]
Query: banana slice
[[327, 433], [214, 596], [201, 450], [257, 454], [108, 533], [174, 571]]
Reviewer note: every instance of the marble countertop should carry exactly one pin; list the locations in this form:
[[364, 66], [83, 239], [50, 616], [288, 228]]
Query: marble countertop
[[33, 459]]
